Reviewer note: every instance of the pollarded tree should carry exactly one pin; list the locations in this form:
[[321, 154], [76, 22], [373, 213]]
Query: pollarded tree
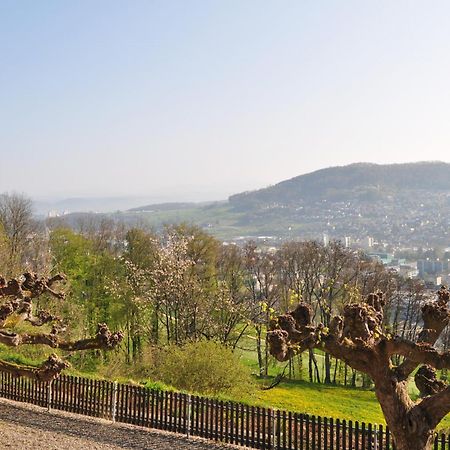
[[358, 338], [18, 295]]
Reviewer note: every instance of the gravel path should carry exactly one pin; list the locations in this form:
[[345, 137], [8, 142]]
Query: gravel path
[[24, 427]]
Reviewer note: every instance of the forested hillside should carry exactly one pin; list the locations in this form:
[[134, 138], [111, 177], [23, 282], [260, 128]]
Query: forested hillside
[[360, 181]]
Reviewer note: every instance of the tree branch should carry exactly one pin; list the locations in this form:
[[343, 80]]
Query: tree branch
[[436, 316], [104, 339], [22, 291], [293, 333], [41, 318], [418, 353], [48, 371], [427, 382], [436, 406], [29, 285]]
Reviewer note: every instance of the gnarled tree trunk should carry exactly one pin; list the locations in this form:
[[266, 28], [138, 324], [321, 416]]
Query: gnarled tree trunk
[[410, 430], [358, 339]]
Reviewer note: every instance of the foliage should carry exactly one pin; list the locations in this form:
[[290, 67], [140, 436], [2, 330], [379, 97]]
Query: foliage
[[204, 367]]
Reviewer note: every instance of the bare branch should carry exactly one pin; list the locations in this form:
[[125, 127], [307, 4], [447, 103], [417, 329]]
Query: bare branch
[[104, 339], [436, 406], [41, 318], [421, 353], [293, 333], [21, 293], [11, 288], [7, 309], [427, 381], [436, 316], [277, 380], [48, 371], [30, 286]]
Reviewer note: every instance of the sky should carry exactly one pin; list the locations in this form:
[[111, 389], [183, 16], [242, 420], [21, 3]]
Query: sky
[[196, 100]]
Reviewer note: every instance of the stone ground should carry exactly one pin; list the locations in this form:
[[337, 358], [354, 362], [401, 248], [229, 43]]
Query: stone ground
[[24, 427]]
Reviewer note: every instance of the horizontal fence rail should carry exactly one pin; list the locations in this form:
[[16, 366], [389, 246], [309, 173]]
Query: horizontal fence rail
[[217, 420]]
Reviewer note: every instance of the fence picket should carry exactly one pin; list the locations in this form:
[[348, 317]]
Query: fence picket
[[227, 422], [363, 435], [289, 434], [380, 438], [261, 427], [161, 410], [221, 418], [307, 431], [356, 435], [313, 429], [270, 423], [195, 412], [207, 425], [240, 421], [319, 433], [350, 435], [295, 431], [254, 419]]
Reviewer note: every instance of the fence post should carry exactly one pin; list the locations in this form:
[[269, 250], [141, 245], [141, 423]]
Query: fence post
[[274, 431], [375, 437], [114, 402], [49, 395], [188, 418]]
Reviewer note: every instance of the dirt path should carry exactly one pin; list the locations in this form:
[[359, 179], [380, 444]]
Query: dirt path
[[24, 427]]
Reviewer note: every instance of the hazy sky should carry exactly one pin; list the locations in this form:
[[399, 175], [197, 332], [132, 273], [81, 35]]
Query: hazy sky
[[208, 98]]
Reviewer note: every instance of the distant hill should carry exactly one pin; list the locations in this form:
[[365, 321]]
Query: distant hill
[[364, 181], [165, 207], [87, 204], [396, 204]]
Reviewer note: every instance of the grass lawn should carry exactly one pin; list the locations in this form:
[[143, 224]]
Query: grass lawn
[[319, 399], [326, 401]]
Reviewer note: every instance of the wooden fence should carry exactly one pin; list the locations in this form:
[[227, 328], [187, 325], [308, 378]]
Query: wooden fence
[[217, 420]]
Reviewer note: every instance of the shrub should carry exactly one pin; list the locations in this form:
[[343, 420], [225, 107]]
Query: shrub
[[158, 386], [204, 367]]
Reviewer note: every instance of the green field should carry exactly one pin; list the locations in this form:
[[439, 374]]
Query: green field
[[323, 400], [301, 396], [326, 401]]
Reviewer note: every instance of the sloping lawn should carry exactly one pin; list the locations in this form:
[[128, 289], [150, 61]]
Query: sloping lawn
[[326, 401]]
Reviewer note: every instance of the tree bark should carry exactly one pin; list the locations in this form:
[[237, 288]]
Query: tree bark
[[327, 369], [409, 427], [259, 351]]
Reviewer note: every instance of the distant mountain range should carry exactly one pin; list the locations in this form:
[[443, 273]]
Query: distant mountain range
[[399, 203]]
